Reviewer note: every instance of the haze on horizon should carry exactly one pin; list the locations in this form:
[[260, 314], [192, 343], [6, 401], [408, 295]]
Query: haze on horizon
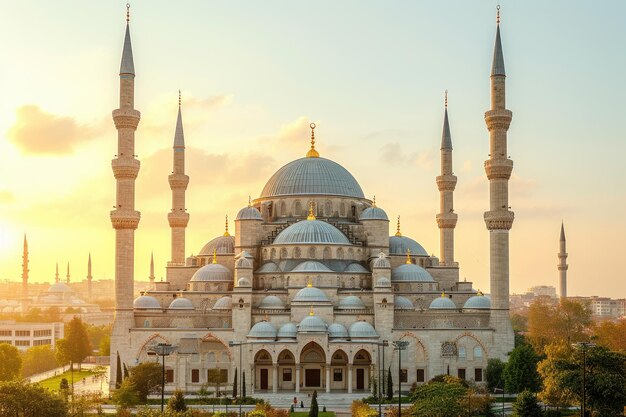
[[370, 74]]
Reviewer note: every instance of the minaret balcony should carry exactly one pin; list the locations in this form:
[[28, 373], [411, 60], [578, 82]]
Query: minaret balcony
[[499, 219], [447, 220], [126, 168], [446, 182], [126, 118], [500, 168], [499, 119], [178, 218], [125, 219], [178, 181]]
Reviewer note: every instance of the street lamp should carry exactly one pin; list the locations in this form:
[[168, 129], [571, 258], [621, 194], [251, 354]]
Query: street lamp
[[163, 349], [381, 373], [400, 345], [240, 344], [502, 390], [584, 346]]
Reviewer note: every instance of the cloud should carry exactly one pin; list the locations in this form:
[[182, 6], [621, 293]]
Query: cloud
[[6, 196], [393, 154], [38, 132]]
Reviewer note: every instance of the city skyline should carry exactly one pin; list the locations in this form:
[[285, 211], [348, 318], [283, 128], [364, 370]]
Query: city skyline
[[249, 115]]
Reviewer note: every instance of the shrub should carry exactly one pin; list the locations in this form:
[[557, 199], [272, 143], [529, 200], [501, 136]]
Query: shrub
[[362, 409], [177, 402], [526, 405]]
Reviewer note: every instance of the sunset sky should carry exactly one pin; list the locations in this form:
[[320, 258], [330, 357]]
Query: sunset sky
[[371, 74]]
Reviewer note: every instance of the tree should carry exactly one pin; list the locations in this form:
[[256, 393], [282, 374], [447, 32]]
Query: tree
[[126, 395], [235, 385], [362, 409], [146, 378], [118, 372], [493, 374], [439, 399], [526, 405], [243, 384], [53, 314], [177, 402], [19, 398], [125, 373], [104, 347], [315, 409], [611, 334], [520, 372], [75, 347], [389, 385], [553, 393], [10, 362], [38, 359]]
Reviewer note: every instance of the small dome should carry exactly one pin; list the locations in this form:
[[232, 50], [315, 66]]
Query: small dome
[[263, 330], [356, 268], [311, 295], [443, 302], [398, 245], [478, 302], [351, 302], [373, 213], [382, 261], [337, 331], [288, 331], [311, 266], [249, 213], [243, 263], [383, 282], [243, 282], [268, 268], [221, 244], [146, 302], [362, 329], [181, 303], [402, 303], [411, 273], [312, 324], [311, 231], [224, 303], [271, 302], [212, 272], [59, 287]]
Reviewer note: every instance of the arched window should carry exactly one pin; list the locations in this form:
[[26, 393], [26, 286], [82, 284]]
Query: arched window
[[328, 208], [283, 253], [327, 254], [312, 252], [340, 253], [283, 209], [462, 353], [297, 253], [478, 352], [297, 208], [342, 209]]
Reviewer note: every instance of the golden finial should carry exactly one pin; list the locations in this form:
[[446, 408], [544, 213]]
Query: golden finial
[[443, 294], [479, 293], [309, 283], [180, 101], [374, 202], [214, 256], [398, 228], [266, 318], [127, 12], [311, 312], [226, 228], [446, 99], [408, 256], [311, 215], [312, 153], [498, 14], [249, 201]]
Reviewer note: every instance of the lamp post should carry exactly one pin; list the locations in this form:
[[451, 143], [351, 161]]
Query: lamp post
[[163, 349], [400, 345], [501, 389], [584, 346], [240, 344]]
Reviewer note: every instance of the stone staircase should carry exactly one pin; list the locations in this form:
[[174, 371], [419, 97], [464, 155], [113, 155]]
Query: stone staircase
[[345, 229]]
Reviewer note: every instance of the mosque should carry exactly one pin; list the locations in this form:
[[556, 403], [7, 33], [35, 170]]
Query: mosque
[[310, 286]]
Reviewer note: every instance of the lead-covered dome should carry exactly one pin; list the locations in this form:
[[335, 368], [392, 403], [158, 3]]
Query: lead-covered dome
[[221, 244], [263, 330], [146, 302], [362, 329], [399, 245], [224, 303], [442, 303], [311, 295], [351, 302], [337, 331], [59, 287], [311, 232], [212, 272], [249, 213], [306, 176], [312, 324], [288, 331], [373, 213], [311, 266], [181, 303], [411, 273], [478, 302], [402, 303], [271, 302]]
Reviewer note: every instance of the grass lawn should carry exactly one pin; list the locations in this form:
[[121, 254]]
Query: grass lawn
[[305, 414], [53, 383]]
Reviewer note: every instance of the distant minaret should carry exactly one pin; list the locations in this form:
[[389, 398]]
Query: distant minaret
[[124, 217], [25, 274], [499, 219], [68, 273], [56, 275], [89, 278], [446, 182], [562, 264], [178, 217], [151, 277]]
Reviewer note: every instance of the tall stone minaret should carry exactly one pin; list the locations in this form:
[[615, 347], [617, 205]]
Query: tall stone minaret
[[178, 217], [151, 277], [89, 278], [446, 182], [562, 264], [67, 276], [499, 219], [25, 275], [124, 217], [56, 275]]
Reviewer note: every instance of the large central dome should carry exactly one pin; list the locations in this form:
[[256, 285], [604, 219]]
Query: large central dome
[[312, 176]]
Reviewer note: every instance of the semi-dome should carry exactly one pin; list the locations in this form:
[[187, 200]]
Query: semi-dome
[[311, 266], [146, 302], [312, 323], [337, 331], [411, 273], [243, 263], [268, 268], [381, 261], [399, 245], [312, 176], [221, 245], [59, 287], [243, 282], [402, 303], [356, 268], [311, 295], [288, 331], [249, 213], [212, 272], [224, 303], [263, 330], [373, 213], [442, 303], [271, 302], [311, 232], [383, 282], [478, 302], [181, 303], [351, 302], [361, 330]]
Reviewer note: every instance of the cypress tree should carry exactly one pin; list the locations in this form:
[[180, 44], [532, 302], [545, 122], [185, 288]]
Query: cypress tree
[[118, 372], [389, 385], [243, 384], [235, 384], [125, 371], [314, 411]]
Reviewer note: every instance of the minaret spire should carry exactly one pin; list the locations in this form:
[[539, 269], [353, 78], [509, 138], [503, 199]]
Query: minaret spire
[[178, 217], [446, 183], [562, 267], [68, 273], [56, 275], [89, 278], [312, 153], [398, 233], [25, 274], [151, 277]]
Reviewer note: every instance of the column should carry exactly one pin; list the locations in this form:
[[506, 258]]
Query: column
[[349, 378], [297, 377], [327, 378], [275, 377]]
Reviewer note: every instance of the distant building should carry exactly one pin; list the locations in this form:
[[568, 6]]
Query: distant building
[[26, 335], [543, 291]]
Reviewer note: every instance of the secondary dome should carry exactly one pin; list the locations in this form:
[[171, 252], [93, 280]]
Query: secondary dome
[[312, 324], [306, 176], [443, 303], [362, 329], [212, 272], [337, 331], [311, 295], [271, 302], [146, 302], [288, 331], [59, 287], [402, 303], [263, 330], [411, 273], [221, 244], [383, 282], [311, 231], [268, 268], [479, 301], [249, 213], [224, 303], [243, 282], [382, 261], [373, 213], [351, 302], [311, 266], [356, 268], [181, 303], [399, 245]]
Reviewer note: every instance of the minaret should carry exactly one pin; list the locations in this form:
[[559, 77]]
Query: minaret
[[89, 278], [67, 276], [178, 217], [499, 218], [25, 275], [56, 275], [124, 217], [446, 182], [151, 277], [562, 265]]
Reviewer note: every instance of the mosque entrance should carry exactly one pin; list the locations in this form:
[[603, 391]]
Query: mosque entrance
[[312, 378], [312, 360], [360, 378], [264, 379]]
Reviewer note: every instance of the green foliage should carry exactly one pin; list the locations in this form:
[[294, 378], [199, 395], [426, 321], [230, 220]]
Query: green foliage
[[10, 362], [256, 413], [389, 385], [362, 409], [104, 346], [118, 372], [235, 387], [493, 374], [147, 412], [18, 398], [38, 359], [243, 384], [520, 372], [75, 347], [146, 378], [314, 411], [126, 395], [177, 402], [64, 385], [98, 335], [439, 399], [526, 405]]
